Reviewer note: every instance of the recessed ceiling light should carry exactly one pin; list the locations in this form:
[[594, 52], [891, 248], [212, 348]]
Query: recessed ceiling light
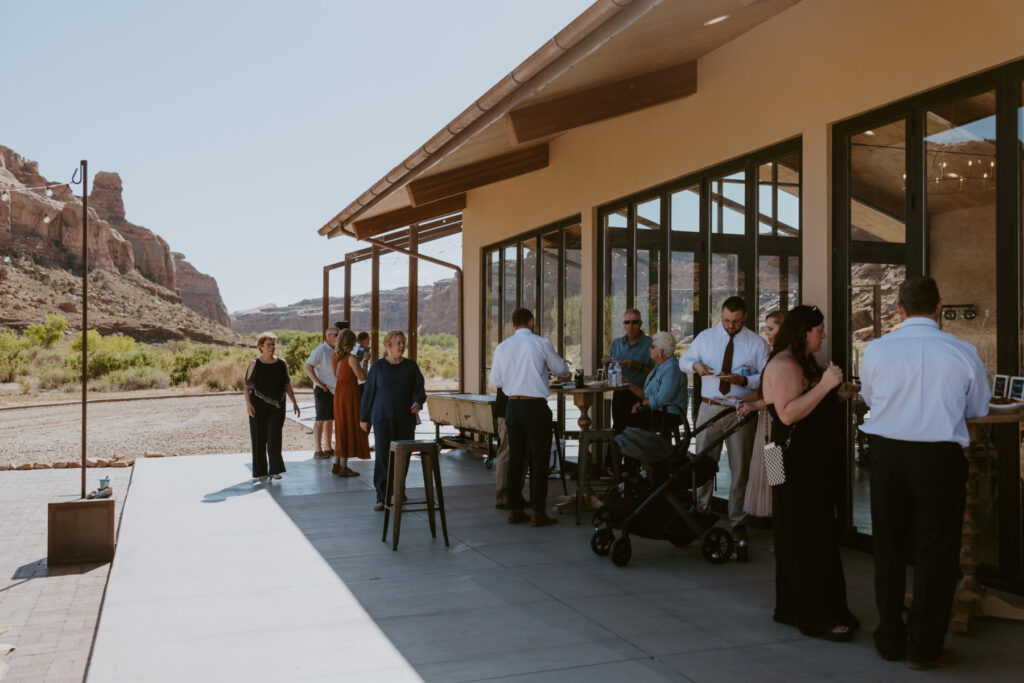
[[716, 20], [869, 132]]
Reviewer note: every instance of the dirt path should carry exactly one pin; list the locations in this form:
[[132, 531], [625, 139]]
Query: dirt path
[[180, 426]]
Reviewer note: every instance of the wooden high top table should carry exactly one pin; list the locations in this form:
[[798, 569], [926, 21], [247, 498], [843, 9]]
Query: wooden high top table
[[971, 599], [583, 398]]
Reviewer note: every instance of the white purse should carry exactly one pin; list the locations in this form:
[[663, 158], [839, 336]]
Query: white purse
[[774, 460]]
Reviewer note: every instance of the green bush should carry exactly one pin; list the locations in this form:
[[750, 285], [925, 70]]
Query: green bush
[[13, 356], [188, 356], [443, 339], [48, 333], [298, 349], [301, 380]]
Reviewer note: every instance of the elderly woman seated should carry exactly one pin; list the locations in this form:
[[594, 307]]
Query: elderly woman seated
[[663, 397]]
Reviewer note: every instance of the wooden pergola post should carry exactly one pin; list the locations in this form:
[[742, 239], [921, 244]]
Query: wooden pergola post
[[414, 280]]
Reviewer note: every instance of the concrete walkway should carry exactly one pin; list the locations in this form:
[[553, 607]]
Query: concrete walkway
[[218, 580]]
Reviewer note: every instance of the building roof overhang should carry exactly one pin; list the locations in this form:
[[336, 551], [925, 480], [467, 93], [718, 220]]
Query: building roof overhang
[[618, 56]]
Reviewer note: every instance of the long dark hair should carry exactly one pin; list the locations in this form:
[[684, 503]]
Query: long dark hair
[[792, 337]]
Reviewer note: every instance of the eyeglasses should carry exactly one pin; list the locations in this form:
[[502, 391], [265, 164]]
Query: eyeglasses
[[630, 322]]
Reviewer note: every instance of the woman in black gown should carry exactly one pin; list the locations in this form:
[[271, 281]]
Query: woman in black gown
[[805, 401]]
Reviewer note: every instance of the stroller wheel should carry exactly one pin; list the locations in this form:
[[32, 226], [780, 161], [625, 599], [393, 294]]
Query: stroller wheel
[[716, 545], [621, 551], [601, 541]]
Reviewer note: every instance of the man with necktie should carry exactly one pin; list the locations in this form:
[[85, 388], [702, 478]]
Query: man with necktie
[[729, 358]]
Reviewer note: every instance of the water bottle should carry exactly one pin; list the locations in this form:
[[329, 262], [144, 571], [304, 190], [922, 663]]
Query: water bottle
[[615, 374]]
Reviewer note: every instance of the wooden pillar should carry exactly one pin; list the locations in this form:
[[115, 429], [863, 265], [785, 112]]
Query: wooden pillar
[[876, 310], [348, 289], [414, 314], [375, 302], [326, 305]]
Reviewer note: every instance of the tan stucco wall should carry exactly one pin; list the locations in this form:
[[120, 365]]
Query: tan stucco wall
[[819, 62]]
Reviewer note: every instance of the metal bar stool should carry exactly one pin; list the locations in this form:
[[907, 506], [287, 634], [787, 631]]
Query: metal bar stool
[[590, 437], [398, 465]]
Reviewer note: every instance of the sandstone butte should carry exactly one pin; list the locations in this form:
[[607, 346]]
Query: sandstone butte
[[115, 244]]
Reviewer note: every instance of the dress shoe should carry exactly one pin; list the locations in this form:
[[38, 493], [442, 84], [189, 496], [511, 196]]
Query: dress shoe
[[739, 532], [506, 506], [542, 520], [518, 517], [336, 468], [948, 657]]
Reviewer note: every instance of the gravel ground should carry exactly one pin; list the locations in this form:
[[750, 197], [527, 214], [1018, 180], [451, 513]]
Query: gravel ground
[[193, 425]]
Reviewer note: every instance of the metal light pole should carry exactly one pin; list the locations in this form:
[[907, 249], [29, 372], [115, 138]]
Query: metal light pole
[[85, 309]]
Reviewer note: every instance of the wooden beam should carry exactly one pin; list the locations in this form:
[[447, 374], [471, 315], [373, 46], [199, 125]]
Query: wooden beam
[[477, 174], [399, 218], [601, 102]]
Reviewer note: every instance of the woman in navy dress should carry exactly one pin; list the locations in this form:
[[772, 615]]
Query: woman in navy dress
[[392, 396]]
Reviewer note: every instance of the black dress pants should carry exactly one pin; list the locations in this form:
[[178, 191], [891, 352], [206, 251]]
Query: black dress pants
[[528, 424], [622, 405], [265, 431], [917, 509]]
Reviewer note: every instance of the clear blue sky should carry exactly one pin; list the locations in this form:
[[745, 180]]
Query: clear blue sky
[[239, 128]]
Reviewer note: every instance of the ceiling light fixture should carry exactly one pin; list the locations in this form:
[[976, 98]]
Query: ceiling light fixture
[[869, 132], [716, 20]]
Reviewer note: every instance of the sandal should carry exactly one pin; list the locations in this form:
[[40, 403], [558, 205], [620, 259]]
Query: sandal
[[833, 634], [349, 472], [379, 507]]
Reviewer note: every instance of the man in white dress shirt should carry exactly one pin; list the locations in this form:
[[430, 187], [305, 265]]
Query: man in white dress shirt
[[921, 384], [729, 358], [520, 369]]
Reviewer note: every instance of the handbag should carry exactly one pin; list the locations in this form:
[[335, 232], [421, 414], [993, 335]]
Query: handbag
[[774, 460]]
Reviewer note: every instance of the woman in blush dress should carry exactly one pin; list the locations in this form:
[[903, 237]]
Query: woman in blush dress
[[392, 397], [758, 500], [349, 439]]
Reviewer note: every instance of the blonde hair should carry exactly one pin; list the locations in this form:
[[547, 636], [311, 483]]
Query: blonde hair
[[392, 336], [264, 338], [346, 340]]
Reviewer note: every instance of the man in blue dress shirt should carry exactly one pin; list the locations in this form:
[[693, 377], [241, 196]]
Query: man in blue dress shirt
[[633, 351], [729, 358], [921, 385], [520, 369]]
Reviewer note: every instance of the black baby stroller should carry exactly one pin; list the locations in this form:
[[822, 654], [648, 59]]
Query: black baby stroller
[[665, 510]]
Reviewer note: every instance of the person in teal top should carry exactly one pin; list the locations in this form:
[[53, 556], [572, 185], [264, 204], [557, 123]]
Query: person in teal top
[[663, 396], [633, 351]]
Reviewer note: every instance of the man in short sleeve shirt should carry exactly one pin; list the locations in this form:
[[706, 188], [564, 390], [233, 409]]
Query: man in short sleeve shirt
[[729, 358], [633, 351], [921, 385], [319, 368]]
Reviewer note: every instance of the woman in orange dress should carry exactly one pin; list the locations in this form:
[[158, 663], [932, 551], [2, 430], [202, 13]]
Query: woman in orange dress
[[349, 440]]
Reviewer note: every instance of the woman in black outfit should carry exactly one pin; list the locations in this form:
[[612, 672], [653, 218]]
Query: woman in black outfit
[[804, 401], [266, 383]]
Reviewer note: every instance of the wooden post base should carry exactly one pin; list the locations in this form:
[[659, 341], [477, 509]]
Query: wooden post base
[[80, 531]]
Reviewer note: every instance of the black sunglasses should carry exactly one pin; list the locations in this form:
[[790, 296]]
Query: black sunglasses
[[630, 322]]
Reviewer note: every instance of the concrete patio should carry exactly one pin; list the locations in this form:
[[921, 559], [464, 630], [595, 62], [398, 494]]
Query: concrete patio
[[216, 579]]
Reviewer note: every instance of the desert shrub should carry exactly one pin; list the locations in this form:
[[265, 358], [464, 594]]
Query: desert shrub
[[59, 376], [49, 332], [135, 378], [298, 349], [442, 339], [187, 357], [220, 375], [13, 356], [300, 380]]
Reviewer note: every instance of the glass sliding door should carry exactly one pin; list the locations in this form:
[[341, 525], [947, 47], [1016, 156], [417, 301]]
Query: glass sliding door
[[649, 236], [684, 273], [778, 229], [878, 255], [618, 247], [728, 229], [572, 297]]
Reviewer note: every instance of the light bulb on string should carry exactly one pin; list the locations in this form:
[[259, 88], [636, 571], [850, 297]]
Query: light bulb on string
[[49, 192], [46, 219], [5, 197]]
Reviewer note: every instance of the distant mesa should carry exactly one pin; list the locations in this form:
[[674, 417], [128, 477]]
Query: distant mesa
[[436, 303], [116, 245]]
